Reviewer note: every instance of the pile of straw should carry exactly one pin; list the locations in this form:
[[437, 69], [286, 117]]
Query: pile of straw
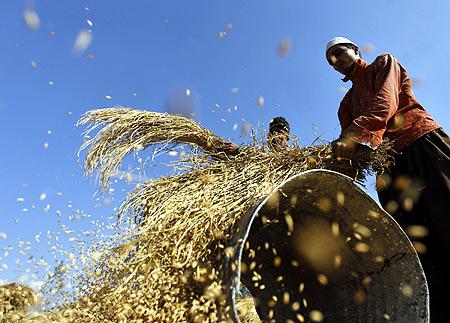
[[169, 270], [15, 299]]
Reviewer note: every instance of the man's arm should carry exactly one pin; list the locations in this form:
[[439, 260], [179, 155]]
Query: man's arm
[[213, 144], [344, 148], [344, 112], [228, 148]]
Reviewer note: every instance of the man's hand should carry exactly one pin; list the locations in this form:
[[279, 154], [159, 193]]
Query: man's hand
[[229, 148], [344, 148]]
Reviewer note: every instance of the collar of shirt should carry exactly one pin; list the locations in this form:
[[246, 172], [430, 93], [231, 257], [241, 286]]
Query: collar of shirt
[[358, 71]]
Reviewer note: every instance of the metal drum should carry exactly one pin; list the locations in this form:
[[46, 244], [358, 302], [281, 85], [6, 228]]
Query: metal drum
[[319, 249]]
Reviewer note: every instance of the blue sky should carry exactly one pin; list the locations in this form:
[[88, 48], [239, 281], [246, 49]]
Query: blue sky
[[144, 52]]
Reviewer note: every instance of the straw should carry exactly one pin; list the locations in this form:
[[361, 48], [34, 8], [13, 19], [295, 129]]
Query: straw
[[168, 269]]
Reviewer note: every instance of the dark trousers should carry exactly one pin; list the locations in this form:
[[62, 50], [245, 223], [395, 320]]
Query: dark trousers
[[416, 191]]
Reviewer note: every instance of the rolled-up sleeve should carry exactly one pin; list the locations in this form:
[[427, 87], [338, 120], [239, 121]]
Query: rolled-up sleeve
[[369, 127]]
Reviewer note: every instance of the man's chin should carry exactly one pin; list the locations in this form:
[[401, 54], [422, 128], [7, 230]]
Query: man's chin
[[349, 70], [346, 71], [342, 71]]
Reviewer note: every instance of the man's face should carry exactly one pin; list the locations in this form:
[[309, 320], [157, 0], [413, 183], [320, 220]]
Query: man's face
[[278, 140], [342, 58]]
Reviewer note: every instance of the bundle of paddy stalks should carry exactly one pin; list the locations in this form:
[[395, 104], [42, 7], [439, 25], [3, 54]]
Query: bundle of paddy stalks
[[169, 268], [15, 299], [126, 130]]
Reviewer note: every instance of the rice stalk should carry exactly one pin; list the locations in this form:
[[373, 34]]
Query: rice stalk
[[125, 130]]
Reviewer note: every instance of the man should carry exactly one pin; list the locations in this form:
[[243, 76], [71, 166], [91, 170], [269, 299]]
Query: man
[[279, 131], [381, 105], [277, 138]]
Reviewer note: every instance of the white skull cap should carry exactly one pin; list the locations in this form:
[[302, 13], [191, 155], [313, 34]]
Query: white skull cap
[[338, 41]]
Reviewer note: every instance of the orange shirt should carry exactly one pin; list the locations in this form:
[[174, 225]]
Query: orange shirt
[[381, 104]]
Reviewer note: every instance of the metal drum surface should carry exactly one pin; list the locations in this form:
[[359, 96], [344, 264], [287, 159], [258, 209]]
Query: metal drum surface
[[319, 249]]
